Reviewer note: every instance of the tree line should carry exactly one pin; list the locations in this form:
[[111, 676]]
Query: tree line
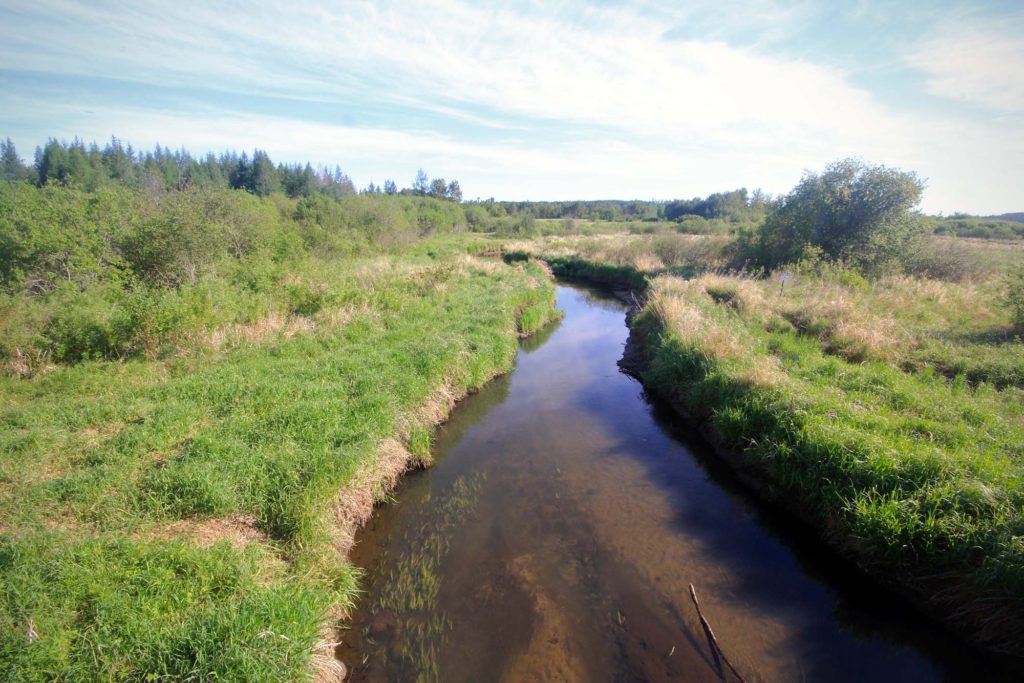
[[851, 211], [736, 206], [89, 166]]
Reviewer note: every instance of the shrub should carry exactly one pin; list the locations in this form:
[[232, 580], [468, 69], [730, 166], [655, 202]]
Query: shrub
[[79, 331], [851, 211], [1015, 296]]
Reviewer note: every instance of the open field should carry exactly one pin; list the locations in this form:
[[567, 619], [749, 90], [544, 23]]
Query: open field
[[890, 413]]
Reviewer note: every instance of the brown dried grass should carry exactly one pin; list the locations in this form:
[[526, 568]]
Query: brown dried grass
[[26, 363], [671, 300], [846, 327], [763, 372], [240, 530], [353, 505], [742, 294], [272, 326]]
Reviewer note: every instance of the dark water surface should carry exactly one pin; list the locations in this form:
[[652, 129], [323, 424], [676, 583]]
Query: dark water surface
[[557, 534]]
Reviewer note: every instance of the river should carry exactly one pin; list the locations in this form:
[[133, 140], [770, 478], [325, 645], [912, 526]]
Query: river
[[558, 532]]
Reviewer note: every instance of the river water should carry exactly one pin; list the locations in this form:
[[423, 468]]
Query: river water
[[557, 534]]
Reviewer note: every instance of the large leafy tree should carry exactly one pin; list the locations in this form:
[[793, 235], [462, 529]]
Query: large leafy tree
[[852, 211]]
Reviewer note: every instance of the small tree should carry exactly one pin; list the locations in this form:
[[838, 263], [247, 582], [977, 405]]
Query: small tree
[[11, 167], [851, 211], [263, 178], [421, 184], [438, 188], [454, 191]]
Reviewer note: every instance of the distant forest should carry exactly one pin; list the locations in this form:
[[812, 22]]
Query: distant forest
[[1017, 217], [89, 167]]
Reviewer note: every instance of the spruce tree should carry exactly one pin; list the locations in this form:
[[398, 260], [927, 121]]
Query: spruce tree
[[11, 167]]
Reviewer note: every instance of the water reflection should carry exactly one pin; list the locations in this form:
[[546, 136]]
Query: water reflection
[[556, 535]]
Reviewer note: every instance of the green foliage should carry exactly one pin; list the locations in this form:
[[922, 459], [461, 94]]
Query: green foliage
[[533, 317], [719, 212], [11, 167], [602, 210], [813, 263], [698, 225], [120, 272], [975, 226], [574, 268], [851, 211], [113, 609], [728, 207], [89, 167], [1015, 296], [524, 225]]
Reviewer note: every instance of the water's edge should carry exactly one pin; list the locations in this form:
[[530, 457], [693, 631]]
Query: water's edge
[[756, 481], [355, 504]]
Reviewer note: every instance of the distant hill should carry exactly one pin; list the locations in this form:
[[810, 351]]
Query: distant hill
[[1017, 217]]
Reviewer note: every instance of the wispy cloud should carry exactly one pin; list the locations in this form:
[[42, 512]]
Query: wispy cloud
[[639, 98], [980, 62]]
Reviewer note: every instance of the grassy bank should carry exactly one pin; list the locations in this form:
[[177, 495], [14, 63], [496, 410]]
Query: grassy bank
[[890, 414], [848, 416], [181, 514], [625, 261]]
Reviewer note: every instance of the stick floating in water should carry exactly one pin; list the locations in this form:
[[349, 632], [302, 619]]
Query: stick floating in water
[[716, 650]]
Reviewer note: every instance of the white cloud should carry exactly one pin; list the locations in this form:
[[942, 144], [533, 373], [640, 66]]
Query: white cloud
[[982, 63], [576, 100], [607, 68]]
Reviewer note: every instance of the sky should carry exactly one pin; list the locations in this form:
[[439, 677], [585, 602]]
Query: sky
[[554, 99]]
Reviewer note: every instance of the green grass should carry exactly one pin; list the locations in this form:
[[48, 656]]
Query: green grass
[[108, 466], [918, 477], [574, 268], [116, 609]]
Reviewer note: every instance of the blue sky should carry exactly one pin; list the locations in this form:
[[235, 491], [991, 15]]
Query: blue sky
[[541, 100]]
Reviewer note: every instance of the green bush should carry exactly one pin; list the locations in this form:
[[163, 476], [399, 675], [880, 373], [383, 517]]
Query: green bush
[[854, 212], [1015, 296]]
